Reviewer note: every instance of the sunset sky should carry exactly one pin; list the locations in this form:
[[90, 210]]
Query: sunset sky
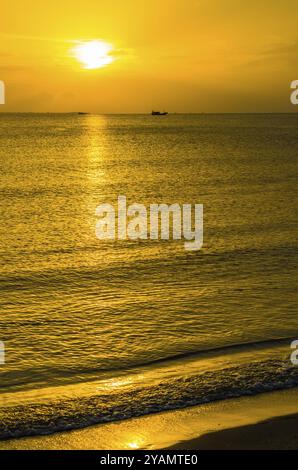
[[178, 55]]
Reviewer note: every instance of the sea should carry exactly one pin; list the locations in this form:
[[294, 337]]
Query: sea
[[103, 330]]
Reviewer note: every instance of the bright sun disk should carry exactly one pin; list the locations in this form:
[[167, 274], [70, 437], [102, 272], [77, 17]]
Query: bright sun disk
[[93, 54]]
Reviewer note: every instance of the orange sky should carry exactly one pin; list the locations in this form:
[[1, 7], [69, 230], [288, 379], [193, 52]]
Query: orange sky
[[179, 55]]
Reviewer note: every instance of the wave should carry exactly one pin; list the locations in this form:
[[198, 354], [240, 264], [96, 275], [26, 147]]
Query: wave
[[50, 277], [179, 383]]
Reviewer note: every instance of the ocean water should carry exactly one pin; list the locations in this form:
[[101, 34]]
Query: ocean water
[[101, 330]]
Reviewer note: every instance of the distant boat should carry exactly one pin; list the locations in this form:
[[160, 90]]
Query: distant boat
[[81, 112], [158, 113]]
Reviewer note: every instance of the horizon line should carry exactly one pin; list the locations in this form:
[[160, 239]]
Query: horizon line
[[148, 113]]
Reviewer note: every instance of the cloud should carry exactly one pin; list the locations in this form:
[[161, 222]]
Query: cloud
[[12, 68], [286, 52]]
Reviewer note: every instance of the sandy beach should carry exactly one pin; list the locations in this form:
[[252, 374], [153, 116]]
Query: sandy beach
[[265, 421], [280, 433]]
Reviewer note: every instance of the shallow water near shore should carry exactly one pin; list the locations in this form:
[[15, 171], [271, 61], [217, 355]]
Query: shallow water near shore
[[184, 429]]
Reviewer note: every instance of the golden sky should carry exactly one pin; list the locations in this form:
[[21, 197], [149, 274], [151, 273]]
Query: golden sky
[[178, 55]]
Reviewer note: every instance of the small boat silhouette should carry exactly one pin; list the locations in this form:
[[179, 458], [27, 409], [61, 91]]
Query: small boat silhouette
[[158, 113]]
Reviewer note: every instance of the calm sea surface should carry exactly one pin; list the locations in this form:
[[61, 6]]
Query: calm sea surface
[[77, 311]]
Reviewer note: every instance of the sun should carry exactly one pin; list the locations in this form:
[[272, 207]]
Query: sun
[[93, 54]]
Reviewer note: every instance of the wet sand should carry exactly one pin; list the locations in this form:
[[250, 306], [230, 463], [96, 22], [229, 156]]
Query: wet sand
[[264, 421], [279, 433]]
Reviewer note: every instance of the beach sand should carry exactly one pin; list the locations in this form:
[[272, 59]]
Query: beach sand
[[279, 433], [265, 421]]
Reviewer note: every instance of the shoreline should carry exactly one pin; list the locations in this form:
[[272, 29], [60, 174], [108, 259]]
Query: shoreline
[[259, 421], [172, 385]]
